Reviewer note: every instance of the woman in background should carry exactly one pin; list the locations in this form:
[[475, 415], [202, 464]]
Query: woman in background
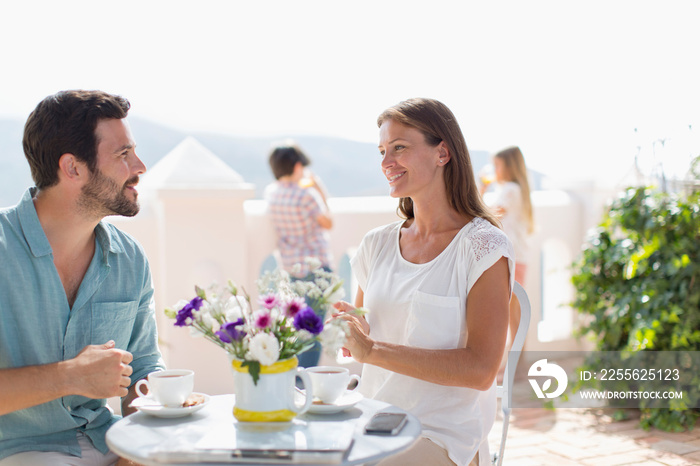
[[437, 287], [511, 202]]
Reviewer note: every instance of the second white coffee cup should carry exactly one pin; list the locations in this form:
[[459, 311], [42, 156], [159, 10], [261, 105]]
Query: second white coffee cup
[[329, 382], [169, 388]]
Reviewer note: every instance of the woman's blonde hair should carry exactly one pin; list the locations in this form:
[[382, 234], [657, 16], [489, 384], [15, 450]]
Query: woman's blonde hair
[[514, 164], [437, 123]]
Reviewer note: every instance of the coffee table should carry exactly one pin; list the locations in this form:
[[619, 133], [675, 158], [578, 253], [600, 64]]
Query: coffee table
[[143, 438]]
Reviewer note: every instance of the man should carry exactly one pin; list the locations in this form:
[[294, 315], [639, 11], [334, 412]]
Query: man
[[300, 214], [77, 321]]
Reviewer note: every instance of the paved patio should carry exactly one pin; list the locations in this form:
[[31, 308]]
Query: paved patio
[[564, 437]]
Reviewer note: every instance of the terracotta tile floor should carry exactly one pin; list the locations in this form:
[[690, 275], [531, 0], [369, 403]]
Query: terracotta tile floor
[[563, 437]]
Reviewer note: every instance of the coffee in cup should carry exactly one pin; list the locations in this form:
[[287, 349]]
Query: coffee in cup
[[329, 382], [169, 388]]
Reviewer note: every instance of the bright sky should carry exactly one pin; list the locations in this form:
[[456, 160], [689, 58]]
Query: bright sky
[[567, 81]]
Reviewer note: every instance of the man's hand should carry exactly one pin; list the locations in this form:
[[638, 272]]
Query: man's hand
[[100, 371]]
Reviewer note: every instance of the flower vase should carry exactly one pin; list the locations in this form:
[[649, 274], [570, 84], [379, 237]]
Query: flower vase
[[272, 399]]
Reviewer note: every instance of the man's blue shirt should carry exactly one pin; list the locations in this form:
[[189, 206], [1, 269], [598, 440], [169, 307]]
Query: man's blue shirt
[[37, 325]]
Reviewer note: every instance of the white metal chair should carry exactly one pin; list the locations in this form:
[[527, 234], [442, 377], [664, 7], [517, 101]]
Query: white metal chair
[[504, 391]]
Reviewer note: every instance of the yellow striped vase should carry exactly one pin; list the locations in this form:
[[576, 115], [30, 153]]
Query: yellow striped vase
[[272, 399]]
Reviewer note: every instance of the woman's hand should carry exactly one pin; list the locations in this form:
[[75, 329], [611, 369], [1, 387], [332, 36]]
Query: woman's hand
[[358, 342]]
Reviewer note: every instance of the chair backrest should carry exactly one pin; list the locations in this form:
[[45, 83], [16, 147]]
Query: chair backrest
[[504, 391], [518, 341]]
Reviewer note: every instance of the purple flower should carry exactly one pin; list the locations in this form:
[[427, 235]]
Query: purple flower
[[293, 306], [196, 303], [306, 319], [229, 332], [262, 319], [269, 300], [186, 311]]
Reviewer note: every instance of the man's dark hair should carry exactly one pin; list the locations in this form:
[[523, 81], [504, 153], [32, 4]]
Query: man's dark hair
[[65, 123], [284, 158]]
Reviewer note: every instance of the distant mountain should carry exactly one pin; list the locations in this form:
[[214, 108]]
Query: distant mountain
[[347, 168], [14, 171]]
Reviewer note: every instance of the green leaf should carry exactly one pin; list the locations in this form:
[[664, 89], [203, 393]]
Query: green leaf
[[253, 369], [642, 254]]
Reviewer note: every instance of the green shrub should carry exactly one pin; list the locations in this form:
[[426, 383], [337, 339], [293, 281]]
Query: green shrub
[[637, 281]]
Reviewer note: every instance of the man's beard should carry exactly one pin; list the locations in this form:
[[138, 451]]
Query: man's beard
[[101, 197]]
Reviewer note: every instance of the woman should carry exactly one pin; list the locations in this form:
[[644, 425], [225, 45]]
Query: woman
[[437, 287], [512, 203]]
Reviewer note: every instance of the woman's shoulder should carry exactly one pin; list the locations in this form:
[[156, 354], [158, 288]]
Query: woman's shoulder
[[376, 240], [382, 233], [480, 227], [483, 238], [511, 187]]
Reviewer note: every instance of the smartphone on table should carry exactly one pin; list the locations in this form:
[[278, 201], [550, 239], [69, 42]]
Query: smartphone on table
[[386, 423]]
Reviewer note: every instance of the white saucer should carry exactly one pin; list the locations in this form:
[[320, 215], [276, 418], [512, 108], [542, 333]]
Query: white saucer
[[346, 401], [150, 406]]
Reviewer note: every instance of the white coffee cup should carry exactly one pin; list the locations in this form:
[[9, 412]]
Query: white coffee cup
[[169, 388], [329, 382]]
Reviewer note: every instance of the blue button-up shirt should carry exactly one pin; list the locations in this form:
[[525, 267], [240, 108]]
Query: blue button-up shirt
[[37, 325]]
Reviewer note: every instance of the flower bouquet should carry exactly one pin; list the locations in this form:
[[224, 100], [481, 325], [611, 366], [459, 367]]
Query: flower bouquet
[[284, 325]]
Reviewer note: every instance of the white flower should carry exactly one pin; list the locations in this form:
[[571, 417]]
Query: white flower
[[234, 308], [313, 263], [220, 306], [196, 333], [332, 295], [265, 348], [302, 288], [322, 283], [203, 313], [333, 336], [273, 281], [304, 335], [210, 322]]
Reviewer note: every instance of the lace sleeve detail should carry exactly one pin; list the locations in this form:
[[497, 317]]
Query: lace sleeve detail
[[488, 244], [485, 242]]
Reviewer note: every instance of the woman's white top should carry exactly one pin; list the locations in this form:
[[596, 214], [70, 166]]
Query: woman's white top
[[424, 305], [509, 196]]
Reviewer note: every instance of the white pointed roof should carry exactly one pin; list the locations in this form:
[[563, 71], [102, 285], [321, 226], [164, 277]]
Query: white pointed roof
[[191, 165]]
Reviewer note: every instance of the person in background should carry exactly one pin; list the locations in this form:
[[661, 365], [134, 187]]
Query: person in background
[[511, 202], [77, 322], [436, 287], [299, 211]]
